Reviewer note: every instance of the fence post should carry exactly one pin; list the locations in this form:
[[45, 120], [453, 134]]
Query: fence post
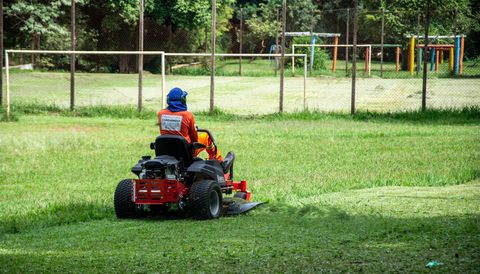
[[72, 56], [241, 41], [417, 49], [425, 48], [347, 41], [140, 56], [354, 57], [7, 78], [381, 41], [1, 52], [212, 70], [276, 45], [164, 91], [282, 58]]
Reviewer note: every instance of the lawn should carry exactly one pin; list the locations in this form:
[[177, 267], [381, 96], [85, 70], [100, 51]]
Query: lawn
[[372, 193]]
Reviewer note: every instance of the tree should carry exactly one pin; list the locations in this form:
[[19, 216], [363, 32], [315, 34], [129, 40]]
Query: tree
[[262, 22], [35, 19]]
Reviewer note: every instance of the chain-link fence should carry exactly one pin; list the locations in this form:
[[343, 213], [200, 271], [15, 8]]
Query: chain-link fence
[[390, 64], [390, 60]]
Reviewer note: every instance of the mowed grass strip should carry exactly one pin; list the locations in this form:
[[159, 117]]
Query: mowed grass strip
[[57, 170]]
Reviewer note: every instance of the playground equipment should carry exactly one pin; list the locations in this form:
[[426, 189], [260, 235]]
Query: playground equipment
[[274, 49], [455, 53], [368, 55], [314, 36]]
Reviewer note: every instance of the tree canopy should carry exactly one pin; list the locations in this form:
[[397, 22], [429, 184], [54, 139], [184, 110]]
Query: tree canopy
[[185, 25]]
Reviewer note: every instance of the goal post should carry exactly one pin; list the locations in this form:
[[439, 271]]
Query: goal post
[[73, 53], [304, 56]]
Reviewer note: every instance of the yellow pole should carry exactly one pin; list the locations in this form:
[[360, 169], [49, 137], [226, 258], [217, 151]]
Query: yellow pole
[[412, 54], [450, 59], [441, 56]]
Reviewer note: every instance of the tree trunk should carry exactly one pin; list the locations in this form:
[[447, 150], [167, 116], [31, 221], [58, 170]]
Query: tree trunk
[[127, 63]]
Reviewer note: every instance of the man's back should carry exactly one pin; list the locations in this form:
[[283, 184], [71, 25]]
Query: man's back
[[178, 123]]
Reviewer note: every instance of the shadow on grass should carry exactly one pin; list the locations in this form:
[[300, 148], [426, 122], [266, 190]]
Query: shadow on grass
[[275, 238], [55, 214]]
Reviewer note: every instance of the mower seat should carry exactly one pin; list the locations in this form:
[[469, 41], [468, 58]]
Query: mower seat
[[175, 146], [228, 161]]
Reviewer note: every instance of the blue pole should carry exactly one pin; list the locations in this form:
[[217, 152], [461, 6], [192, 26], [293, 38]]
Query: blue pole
[[432, 61], [457, 55], [312, 53], [271, 50]]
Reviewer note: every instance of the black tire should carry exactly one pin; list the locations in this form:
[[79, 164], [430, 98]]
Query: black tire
[[124, 207], [206, 200], [241, 195]]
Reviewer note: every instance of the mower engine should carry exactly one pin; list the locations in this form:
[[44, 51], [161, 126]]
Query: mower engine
[[162, 167]]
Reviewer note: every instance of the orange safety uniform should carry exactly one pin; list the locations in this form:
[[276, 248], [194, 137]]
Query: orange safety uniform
[[182, 123]]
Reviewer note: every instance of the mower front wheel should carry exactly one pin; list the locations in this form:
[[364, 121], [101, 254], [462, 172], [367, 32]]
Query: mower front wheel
[[205, 200], [122, 200]]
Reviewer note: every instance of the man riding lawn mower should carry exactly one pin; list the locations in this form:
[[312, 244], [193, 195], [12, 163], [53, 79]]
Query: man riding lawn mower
[[176, 179]]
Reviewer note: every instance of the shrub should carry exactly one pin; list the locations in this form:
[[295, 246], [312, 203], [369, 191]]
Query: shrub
[[320, 56]]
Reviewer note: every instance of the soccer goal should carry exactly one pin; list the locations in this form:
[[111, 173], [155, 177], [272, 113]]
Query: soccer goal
[[159, 97], [75, 54], [247, 92]]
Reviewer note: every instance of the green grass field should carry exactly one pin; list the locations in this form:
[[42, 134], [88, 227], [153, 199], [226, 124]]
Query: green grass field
[[371, 193]]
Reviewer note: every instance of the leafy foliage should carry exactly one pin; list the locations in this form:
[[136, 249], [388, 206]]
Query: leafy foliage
[[320, 56]]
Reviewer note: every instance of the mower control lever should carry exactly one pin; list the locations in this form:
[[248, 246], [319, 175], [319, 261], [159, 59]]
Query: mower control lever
[[210, 135], [196, 145]]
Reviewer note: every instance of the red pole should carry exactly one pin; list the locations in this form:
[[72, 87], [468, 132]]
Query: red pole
[[397, 60], [335, 50], [366, 60]]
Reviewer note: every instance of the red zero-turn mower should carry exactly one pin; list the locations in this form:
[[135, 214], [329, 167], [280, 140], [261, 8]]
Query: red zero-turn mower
[[176, 181]]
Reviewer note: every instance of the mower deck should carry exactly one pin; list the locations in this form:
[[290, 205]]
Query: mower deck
[[235, 206]]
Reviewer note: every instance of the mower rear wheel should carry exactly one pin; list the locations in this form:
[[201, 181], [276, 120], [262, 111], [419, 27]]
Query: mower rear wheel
[[206, 200], [122, 200]]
